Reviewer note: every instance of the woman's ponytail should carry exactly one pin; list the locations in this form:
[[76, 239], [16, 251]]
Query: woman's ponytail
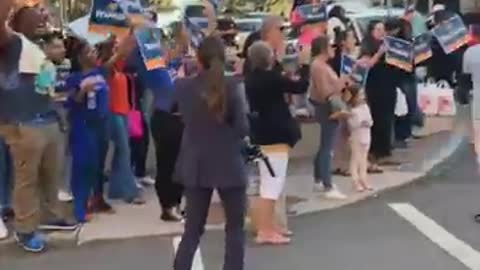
[[216, 100], [211, 54]]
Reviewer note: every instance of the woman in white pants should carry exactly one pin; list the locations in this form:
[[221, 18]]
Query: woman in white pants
[[274, 128]]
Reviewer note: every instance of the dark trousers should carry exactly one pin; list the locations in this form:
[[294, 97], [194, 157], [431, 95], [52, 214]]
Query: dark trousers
[[198, 203], [167, 132], [404, 124], [139, 151]]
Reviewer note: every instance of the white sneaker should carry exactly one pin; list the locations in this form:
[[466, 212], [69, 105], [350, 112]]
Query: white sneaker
[[147, 181], [335, 194], [318, 187], [3, 230], [138, 184], [64, 196]]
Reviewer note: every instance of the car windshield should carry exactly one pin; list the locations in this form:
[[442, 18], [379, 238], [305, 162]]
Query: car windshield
[[194, 11], [248, 26]]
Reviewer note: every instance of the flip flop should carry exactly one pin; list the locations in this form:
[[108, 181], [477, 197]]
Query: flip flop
[[273, 241]]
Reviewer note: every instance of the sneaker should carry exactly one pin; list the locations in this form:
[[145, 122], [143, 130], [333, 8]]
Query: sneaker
[[171, 216], [3, 230], [138, 184], [64, 196], [335, 194], [31, 242], [318, 187], [59, 225], [147, 181]]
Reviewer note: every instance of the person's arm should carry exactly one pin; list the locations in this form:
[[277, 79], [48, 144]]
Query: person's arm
[[125, 47], [239, 105], [211, 17]]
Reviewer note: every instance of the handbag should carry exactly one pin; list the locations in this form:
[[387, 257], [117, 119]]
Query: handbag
[[135, 119]]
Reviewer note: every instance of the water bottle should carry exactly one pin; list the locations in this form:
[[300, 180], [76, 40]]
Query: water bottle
[[91, 100]]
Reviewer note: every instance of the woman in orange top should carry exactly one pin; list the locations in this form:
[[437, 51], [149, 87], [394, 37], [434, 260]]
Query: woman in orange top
[[122, 181]]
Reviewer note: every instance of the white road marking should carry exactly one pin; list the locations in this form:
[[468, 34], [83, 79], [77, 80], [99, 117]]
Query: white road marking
[[445, 240], [197, 259]]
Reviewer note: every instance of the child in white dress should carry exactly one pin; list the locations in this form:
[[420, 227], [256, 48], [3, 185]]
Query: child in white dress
[[360, 123]]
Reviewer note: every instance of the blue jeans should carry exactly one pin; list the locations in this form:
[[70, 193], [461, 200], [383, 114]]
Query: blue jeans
[[328, 131], [88, 146], [122, 181], [6, 175]]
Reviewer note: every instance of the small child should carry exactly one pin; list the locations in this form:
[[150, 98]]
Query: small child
[[359, 124]]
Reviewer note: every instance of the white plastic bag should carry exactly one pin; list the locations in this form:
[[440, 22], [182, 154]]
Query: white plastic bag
[[445, 99], [428, 98], [401, 107]]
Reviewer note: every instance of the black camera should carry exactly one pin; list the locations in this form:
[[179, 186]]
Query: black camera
[[253, 153]]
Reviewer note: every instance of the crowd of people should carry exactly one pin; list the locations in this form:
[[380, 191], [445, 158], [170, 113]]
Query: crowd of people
[[63, 100]]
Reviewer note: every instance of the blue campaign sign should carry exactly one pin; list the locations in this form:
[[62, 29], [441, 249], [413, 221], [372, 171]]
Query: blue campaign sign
[[107, 17], [134, 10], [399, 53], [421, 48], [350, 67], [149, 43], [312, 13], [451, 34], [347, 64]]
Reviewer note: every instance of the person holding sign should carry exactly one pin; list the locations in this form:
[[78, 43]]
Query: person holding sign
[[381, 94], [443, 65], [471, 79]]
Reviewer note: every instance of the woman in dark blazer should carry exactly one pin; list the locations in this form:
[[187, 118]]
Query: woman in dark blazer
[[274, 128], [213, 109]]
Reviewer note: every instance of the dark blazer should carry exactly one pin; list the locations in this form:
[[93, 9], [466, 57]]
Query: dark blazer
[[210, 154], [272, 122]]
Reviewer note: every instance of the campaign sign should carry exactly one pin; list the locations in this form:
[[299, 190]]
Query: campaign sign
[[358, 73], [451, 34], [149, 43], [311, 13], [134, 10], [347, 64], [421, 48], [107, 17], [195, 33], [399, 53]]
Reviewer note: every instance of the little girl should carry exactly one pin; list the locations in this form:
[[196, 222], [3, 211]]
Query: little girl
[[359, 123]]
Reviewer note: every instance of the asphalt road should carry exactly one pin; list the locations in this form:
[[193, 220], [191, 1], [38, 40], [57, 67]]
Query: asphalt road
[[369, 235]]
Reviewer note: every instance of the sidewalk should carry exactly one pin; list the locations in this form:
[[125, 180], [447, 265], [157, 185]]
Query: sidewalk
[[444, 136]]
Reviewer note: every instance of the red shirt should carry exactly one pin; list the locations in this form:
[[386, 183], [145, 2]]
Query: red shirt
[[118, 84]]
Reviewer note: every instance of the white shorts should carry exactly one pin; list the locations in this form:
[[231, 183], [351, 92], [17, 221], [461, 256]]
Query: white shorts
[[272, 187]]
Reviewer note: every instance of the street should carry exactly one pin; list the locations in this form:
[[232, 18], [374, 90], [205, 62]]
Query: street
[[379, 233]]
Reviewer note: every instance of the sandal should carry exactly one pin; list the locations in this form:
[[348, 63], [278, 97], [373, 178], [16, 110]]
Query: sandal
[[276, 240]]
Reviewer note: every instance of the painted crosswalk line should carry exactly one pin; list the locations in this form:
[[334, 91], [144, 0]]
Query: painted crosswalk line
[[438, 235], [197, 259]]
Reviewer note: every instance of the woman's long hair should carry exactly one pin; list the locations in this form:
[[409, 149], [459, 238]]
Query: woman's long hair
[[211, 55], [369, 44]]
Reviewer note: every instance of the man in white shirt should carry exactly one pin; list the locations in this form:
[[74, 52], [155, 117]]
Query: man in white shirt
[[471, 69]]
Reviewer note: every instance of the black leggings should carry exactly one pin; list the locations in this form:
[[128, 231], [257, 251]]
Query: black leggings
[[167, 132]]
